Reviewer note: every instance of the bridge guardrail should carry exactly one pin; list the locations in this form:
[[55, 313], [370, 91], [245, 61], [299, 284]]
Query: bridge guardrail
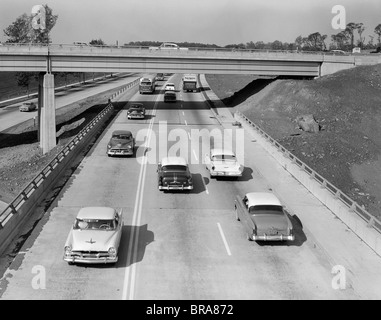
[[206, 49], [15, 214], [371, 221]]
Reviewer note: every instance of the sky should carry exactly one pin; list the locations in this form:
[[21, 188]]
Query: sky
[[220, 22]]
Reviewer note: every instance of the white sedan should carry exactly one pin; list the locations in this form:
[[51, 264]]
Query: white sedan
[[223, 163], [169, 87], [94, 236]]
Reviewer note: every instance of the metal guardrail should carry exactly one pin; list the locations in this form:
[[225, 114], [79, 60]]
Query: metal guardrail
[[355, 207], [207, 49], [27, 192]]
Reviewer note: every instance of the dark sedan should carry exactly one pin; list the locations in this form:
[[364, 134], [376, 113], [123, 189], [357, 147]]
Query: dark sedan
[[174, 174], [121, 143], [136, 111]]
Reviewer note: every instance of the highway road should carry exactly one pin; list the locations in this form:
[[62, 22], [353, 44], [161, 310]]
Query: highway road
[[186, 246], [11, 116]]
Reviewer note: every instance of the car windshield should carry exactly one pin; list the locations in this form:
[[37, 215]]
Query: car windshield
[[94, 224], [122, 136], [175, 168], [224, 157], [135, 109], [146, 83], [266, 210]]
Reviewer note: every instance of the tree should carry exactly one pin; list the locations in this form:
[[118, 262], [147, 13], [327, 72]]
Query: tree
[[21, 31], [360, 30], [377, 31], [317, 41], [350, 29], [98, 42]]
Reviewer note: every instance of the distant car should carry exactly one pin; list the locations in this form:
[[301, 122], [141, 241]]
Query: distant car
[[136, 111], [263, 217], [338, 52], [174, 174], [223, 163], [170, 96], [356, 50], [170, 86], [95, 236], [160, 77], [121, 143], [28, 106]]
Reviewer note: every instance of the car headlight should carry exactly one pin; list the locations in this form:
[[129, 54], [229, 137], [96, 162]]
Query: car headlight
[[108, 146], [67, 250], [112, 251]]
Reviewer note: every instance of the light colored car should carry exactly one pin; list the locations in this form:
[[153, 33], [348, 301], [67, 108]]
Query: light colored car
[[95, 236], [28, 106], [174, 174], [122, 143], [223, 163], [169, 86], [263, 217]]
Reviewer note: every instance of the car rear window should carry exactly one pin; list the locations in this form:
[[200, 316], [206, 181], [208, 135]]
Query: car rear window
[[174, 168], [122, 136], [266, 209]]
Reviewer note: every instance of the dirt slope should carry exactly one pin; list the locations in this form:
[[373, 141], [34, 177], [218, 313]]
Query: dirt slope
[[347, 106]]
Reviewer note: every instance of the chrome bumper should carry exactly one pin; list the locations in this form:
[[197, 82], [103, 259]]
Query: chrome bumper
[[266, 237]]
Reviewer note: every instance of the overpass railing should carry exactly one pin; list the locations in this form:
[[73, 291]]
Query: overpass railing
[[84, 46], [371, 221]]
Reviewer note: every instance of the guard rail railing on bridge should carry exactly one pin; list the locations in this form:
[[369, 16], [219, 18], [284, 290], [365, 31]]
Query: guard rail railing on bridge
[[371, 221], [70, 47]]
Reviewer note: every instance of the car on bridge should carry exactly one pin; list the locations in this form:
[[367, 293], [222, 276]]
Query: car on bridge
[[27, 106], [223, 163], [136, 111], [174, 174], [263, 217], [95, 236], [122, 143]]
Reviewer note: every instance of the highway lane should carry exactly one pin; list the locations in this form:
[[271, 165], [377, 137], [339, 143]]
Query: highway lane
[[174, 245], [11, 116]]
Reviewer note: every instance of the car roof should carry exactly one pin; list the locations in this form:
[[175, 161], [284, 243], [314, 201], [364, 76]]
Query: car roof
[[262, 198], [173, 161], [170, 92], [117, 132], [221, 151], [105, 213]]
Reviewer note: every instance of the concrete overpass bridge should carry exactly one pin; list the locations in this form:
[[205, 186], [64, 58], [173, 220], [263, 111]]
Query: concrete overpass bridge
[[49, 59]]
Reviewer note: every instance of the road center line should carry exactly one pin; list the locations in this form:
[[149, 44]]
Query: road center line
[[128, 290], [224, 239]]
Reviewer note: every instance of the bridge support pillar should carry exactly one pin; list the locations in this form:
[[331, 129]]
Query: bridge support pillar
[[47, 112]]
